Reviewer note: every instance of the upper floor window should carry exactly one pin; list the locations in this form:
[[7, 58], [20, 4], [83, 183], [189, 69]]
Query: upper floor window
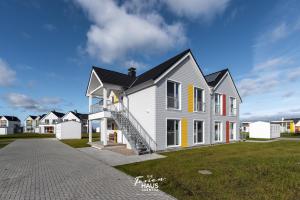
[[3, 123], [28, 122], [232, 102], [199, 100], [47, 121], [218, 104], [173, 95]]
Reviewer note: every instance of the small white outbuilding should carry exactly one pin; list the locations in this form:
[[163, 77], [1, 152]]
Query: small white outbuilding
[[264, 130], [68, 130]]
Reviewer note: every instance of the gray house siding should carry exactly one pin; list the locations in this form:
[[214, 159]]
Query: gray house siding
[[227, 87], [185, 73]]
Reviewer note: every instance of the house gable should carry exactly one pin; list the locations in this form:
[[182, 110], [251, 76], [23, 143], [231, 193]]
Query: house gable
[[70, 116]]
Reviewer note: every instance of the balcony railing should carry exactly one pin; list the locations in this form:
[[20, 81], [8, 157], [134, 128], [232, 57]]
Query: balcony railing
[[173, 102], [50, 122], [98, 107]]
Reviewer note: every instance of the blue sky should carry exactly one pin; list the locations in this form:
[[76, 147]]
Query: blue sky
[[47, 48]]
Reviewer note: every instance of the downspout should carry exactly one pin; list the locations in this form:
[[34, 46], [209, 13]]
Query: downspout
[[211, 114]]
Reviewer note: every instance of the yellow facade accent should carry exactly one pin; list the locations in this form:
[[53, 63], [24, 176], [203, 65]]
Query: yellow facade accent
[[292, 127], [184, 132], [190, 98]]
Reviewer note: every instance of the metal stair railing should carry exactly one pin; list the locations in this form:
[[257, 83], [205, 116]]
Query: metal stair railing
[[132, 126]]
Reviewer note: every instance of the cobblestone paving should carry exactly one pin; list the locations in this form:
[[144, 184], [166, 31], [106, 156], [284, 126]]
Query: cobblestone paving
[[49, 169]]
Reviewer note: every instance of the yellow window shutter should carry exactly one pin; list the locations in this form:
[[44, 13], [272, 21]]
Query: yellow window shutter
[[184, 132], [190, 98]]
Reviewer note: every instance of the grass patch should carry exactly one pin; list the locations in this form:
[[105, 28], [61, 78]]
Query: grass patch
[[26, 135], [259, 139], [83, 142], [5, 142], [290, 135], [239, 171]]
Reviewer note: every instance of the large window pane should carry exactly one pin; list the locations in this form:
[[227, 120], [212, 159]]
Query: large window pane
[[172, 132], [217, 131], [172, 95], [199, 104], [198, 131]]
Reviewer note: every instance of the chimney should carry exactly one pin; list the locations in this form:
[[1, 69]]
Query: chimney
[[132, 72], [75, 111]]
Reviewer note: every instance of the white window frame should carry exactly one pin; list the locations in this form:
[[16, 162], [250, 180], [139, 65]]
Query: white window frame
[[234, 129], [234, 104], [179, 94], [203, 99], [221, 104], [221, 132], [179, 133], [203, 124]]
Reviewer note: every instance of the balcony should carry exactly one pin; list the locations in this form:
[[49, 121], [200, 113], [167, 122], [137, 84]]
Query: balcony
[[50, 122]]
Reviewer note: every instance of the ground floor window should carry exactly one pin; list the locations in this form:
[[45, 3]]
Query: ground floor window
[[49, 129], [232, 130], [198, 132], [173, 132], [218, 131]]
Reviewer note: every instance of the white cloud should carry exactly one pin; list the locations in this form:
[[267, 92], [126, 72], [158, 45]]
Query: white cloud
[[7, 75], [294, 74], [279, 32], [25, 102], [135, 64], [204, 9], [119, 30], [272, 63], [49, 27]]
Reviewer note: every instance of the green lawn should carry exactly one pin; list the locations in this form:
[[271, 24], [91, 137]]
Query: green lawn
[[239, 171], [290, 135], [4, 142], [259, 139], [83, 142]]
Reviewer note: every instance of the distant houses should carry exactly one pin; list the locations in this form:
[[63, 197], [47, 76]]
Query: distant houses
[[9, 125], [44, 124]]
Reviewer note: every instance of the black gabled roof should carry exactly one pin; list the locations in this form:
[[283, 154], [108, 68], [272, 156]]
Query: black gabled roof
[[33, 117], [11, 118], [295, 120], [127, 81], [157, 71], [58, 114], [80, 115], [42, 116], [214, 78], [113, 77]]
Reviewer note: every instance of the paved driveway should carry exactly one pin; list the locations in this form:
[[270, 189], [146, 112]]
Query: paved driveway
[[49, 169]]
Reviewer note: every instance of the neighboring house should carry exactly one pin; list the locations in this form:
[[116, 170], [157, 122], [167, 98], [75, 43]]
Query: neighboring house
[[78, 117], [172, 105], [265, 130], [245, 127], [289, 125], [9, 125], [31, 124], [48, 122]]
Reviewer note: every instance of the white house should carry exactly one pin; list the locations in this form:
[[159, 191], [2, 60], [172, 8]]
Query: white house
[[48, 122], [31, 124], [265, 130], [172, 105], [9, 125], [78, 117], [245, 127]]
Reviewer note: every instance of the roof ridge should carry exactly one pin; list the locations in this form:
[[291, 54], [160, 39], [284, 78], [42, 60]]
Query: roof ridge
[[225, 69], [111, 71]]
